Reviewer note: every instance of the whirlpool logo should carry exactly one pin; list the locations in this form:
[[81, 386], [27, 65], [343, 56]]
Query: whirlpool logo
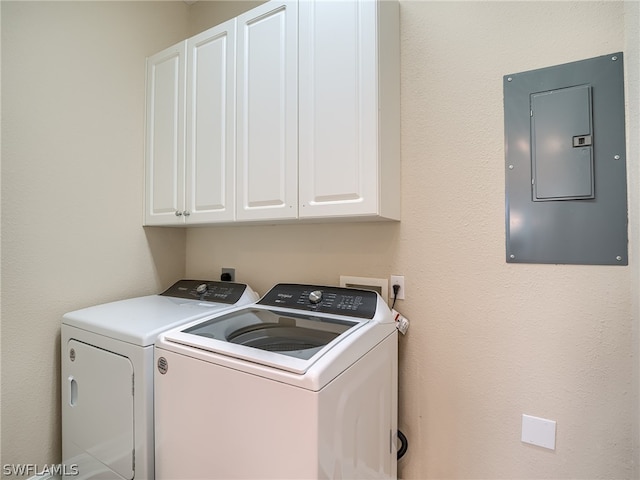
[[163, 366]]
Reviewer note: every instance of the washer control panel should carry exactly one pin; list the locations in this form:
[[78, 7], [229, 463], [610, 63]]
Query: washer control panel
[[335, 300], [206, 291]]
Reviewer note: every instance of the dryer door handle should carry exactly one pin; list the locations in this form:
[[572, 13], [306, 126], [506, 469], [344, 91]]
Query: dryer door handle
[[73, 391]]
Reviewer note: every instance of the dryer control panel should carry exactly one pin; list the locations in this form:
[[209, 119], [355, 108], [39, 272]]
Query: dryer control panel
[[334, 300], [206, 291]]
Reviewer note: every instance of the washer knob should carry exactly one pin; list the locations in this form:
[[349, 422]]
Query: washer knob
[[202, 288], [315, 296]]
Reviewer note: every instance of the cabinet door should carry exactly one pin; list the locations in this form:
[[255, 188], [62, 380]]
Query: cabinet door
[[164, 161], [267, 124], [338, 108], [210, 149]]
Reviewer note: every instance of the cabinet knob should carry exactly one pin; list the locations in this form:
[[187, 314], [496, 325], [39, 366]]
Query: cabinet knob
[[178, 213], [186, 213]]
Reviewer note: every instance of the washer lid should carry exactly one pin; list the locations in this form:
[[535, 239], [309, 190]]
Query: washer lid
[[289, 341]]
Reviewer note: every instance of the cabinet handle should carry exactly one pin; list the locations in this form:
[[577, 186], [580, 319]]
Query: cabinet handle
[[178, 213], [186, 213]]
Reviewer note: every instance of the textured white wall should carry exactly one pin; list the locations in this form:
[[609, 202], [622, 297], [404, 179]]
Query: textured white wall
[[632, 95], [72, 182], [488, 341]]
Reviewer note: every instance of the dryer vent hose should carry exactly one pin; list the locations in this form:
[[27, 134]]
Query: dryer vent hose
[[404, 446]]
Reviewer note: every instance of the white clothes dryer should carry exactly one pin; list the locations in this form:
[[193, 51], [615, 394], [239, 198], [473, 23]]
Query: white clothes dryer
[[107, 375], [302, 384]]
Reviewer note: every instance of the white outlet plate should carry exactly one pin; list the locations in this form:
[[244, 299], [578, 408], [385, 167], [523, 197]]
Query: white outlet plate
[[380, 285], [397, 280], [539, 431]]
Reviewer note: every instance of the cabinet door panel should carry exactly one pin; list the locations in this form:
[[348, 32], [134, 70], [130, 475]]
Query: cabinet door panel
[[165, 136], [267, 112], [210, 163], [338, 109]]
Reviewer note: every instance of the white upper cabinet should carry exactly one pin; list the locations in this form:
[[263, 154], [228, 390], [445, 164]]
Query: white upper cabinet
[[267, 117], [190, 152], [349, 109], [289, 111], [164, 162], [210, 129]]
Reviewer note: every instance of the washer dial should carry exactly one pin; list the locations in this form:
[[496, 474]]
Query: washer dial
[[315, 296]]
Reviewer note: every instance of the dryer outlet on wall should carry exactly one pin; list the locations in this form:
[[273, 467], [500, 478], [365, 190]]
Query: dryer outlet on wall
[[397, 280], [228, 274]]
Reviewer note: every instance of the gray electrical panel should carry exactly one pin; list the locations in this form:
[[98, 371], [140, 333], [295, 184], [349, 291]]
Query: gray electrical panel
[[566, 187]]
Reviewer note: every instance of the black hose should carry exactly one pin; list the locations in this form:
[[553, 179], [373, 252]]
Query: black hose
[[405, 445]]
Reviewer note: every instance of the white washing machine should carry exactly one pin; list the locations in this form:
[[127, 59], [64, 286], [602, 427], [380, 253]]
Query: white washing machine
[[300, 385], [107, 375]]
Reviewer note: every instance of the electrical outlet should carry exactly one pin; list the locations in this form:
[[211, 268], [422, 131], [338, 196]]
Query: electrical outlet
[[397, 280], [228, 274]]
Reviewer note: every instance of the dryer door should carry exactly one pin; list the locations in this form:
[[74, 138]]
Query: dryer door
[[98, 401]]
